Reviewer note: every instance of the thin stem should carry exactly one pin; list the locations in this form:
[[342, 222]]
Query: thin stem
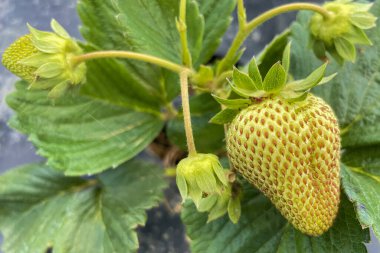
[[182, 28], [186, 113], [243, 32], [286, 8], [129, 55], [242, 16]]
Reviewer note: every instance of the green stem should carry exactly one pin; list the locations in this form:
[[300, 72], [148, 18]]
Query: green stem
[[129, 55], [242, 16], [182, 28], [249, 27], [186, 113]]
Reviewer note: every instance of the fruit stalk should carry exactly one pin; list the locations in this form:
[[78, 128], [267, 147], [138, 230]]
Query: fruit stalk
[[186, 112], [130, 55], [248, 28]]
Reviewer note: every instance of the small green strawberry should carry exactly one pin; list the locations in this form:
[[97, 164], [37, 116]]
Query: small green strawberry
[[339, 34], [286, 142], [20, 49], [44, 59]]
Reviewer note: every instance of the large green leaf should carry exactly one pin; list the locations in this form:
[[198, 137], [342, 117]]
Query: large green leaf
[[354, 93], [118, 25], [367, 158], [80, 135], [262, 229], [111, 81], [104, 27], [208, 137], [40, 209], [363, 187], [273, 52], [217, 16]]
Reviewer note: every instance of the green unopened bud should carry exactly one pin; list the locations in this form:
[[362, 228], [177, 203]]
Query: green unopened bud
[[45, 60], [203, 78], [339, 33], [199, 176]]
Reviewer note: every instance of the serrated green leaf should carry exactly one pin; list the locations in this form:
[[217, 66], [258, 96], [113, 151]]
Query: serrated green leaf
[[275, 79], [273, 52], [345, 49], [104, 27], [254, 74], [243, 81], [233, 103], [109, 80], [217, 17], [367, 158], [80, 135], [354, 93], [208, 137], [363, 189], [261, 229], [224, 117], [41, 209]]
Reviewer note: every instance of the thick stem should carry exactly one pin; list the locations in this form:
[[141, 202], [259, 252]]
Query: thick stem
[[129, 55], [182, 28], [186, 113], [243, 32]]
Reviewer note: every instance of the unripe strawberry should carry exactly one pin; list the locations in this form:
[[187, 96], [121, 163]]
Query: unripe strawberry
[[45, 60], [291, 153], [285, 142], [342, 30], [20, 49]]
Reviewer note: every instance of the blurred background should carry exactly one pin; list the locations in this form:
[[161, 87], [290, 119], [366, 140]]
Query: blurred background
[[164, 231]]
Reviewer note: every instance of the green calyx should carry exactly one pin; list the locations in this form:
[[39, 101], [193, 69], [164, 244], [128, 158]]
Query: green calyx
[[48, 58], [218, 205], [277, 82], [200, 175], [339, 34]]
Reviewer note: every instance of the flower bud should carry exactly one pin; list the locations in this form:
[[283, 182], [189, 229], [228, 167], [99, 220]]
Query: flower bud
[[45, 60], [339, 33], [200, 175]]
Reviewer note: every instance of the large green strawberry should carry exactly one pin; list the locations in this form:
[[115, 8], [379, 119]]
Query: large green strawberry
[[286, 142], [291, 153]]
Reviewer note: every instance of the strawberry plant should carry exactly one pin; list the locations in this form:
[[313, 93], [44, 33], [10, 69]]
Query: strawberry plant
[[280, 155]]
